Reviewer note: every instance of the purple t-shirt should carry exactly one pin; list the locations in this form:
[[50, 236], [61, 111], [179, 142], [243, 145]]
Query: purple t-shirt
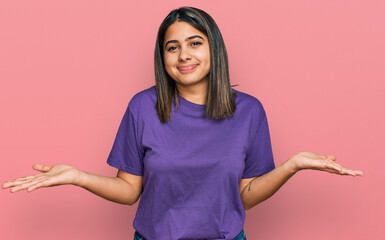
[[191, 166]]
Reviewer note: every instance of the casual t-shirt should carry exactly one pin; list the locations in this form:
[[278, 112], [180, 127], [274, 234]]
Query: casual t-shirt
[[191, 166]]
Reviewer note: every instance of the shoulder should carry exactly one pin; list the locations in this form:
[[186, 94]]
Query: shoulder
[[248, 103], [143, 99], [143, 102]]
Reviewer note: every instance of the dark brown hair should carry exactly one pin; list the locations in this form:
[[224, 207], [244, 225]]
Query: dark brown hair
[[220, 100]]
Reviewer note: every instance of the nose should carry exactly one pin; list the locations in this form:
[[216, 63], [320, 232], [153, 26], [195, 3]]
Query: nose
[[184, 54]]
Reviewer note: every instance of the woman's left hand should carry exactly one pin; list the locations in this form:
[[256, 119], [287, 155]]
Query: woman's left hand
[[308, 160]]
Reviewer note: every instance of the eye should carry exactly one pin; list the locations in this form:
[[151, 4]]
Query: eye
[[171, 48], [196, 43]]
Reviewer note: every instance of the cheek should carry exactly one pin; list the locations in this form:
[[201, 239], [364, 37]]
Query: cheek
[[169, 62], [168, 65], [205, 56]]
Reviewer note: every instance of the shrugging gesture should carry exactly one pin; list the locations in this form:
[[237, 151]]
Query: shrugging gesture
[[126, 188]]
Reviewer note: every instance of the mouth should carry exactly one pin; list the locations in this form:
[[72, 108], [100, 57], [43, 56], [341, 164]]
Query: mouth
[[187, 68]]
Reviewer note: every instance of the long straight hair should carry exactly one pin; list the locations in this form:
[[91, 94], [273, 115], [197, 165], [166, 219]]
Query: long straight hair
[[220, 100]]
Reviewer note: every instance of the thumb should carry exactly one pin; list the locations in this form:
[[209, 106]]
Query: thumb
[[331, 157], [41, 167]]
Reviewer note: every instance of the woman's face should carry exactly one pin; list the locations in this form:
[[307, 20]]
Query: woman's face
[[186, 54]]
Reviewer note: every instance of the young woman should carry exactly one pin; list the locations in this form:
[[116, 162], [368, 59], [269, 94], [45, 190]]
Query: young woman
[[195, 150]]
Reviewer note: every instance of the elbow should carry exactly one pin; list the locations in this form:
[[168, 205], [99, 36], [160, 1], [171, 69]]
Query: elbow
[[133, 202], [247, 207], [128, 201], [246, 201]]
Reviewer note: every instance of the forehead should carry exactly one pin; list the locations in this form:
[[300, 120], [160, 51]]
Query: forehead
[[180, 31]]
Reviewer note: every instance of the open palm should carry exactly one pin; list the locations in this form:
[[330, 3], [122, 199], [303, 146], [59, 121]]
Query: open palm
[[52, 175], [308, 160]]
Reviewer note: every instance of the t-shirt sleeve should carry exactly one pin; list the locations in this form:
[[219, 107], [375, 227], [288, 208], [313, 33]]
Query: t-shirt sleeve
[[259, 158], [126, 153]]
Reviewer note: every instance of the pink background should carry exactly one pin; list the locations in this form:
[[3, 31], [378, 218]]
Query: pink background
[[69, 68]]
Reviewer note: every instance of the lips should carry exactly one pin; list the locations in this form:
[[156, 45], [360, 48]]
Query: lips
[[187, 68]]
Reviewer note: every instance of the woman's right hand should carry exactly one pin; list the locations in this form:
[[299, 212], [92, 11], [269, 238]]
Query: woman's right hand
[[52, 175]]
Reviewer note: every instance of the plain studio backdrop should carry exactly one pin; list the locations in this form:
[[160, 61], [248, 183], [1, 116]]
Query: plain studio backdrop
[[69, 68]]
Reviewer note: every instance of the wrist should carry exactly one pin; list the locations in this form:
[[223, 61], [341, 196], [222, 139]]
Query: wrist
[[292, 165], [79, 178]]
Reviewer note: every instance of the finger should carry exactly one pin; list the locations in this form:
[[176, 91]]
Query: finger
[[348, 171], [38, 184], [26, 185], [333, 166], [43, 183], [331, 171], [345, 171], [341, 172], [18, 181], [359, 172], [37, 178], [25, 178], [331, 157], [7, 184], [12, 183], [41, 167], [28, 177], [353, 172]]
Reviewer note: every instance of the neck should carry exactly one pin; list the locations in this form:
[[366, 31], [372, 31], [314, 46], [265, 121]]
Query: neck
[[195, 94]]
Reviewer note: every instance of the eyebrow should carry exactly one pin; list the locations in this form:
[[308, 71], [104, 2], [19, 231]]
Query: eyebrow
[[194, 36]]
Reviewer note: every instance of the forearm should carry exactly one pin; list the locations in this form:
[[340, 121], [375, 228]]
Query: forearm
[[113, 189], [263, 187]]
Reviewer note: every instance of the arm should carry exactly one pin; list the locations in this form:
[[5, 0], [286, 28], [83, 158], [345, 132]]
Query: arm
[[124, 189], [261, 188]]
